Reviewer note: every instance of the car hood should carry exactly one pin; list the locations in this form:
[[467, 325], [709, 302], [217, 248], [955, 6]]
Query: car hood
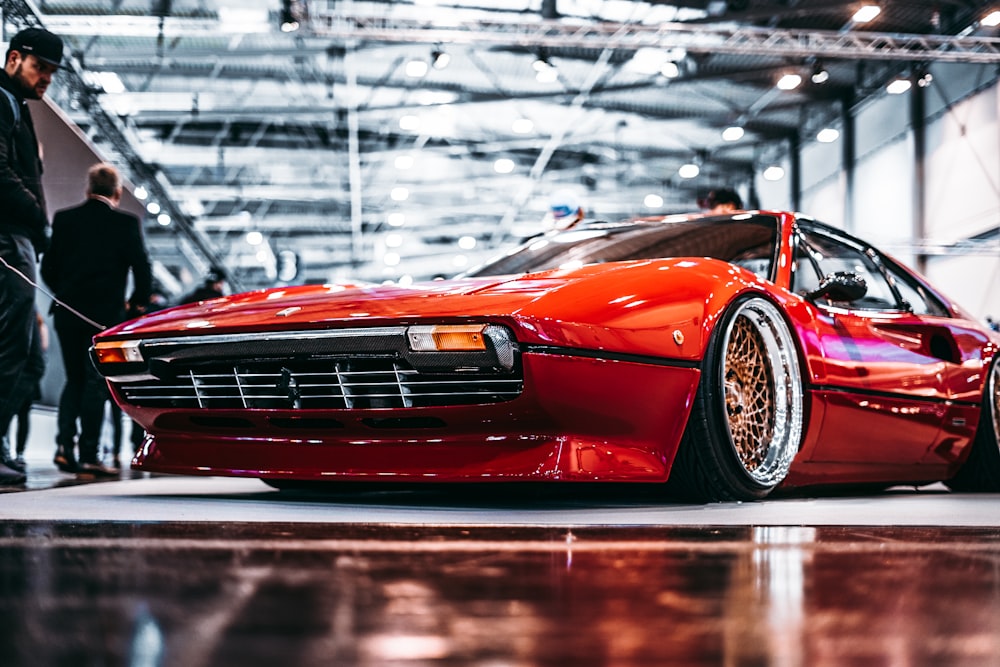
[[574, 307]]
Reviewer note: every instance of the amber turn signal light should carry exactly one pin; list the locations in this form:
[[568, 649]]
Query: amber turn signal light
[[118, 352], [447, 338]]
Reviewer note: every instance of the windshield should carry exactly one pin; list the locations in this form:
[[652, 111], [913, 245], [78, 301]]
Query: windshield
[[749, 242]]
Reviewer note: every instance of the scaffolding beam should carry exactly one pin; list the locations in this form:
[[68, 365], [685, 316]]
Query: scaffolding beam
[[701, 38]]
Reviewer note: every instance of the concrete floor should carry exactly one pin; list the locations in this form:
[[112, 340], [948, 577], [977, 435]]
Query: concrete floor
[[163, 570]]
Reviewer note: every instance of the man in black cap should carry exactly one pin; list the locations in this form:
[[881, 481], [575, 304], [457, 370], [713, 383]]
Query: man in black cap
[[32, 59]]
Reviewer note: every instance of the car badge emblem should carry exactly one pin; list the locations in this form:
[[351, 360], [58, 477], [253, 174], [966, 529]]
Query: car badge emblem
[[678, 337]]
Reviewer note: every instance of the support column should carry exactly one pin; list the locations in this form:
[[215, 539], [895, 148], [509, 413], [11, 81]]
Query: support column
[[847, 158], [918, 126], [795, 169]]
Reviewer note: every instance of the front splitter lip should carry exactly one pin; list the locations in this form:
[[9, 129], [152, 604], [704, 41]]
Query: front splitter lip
[[536, 458]]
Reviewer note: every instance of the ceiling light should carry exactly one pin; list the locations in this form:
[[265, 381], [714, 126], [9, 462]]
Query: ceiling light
[[391, 258], [774, 173], [409, 123], [819, 74], [789, 81], [255, 238], [396, 219], [541, 61], [244, 20], [393, 240], [647, 60], [991, 20], [404, 161], [140, 193], [399, 194], [522, 126], [732, 133], [153, 207], [670, 70], [467, 242], [110, 82], [163, 219], [899, 86], [827, 135], [925, 80], [689, 170], [653, 201], [866, 13], [549, 75], [503, 166], [416, 69], [439, 59]]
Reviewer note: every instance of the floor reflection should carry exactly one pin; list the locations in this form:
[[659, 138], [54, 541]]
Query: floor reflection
[[312, 594]]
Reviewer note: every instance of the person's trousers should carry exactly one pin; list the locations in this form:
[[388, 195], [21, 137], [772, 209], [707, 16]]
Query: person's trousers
[[85, 391], [17, 322]]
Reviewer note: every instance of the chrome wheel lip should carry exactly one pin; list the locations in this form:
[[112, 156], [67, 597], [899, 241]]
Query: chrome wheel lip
[[993, 392], [786, 390]]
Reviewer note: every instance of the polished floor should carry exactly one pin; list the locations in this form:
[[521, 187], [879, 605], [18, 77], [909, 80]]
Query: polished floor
[[163, 570]]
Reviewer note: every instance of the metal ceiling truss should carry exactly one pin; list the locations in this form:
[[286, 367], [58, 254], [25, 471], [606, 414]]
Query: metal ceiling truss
[[701, 38], [23, 13]]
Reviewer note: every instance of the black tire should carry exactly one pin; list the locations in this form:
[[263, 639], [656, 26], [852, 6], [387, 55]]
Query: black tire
[[981, 471], [746, 423]]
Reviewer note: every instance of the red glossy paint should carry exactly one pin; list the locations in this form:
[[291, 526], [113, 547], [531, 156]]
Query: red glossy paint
[[890, 396]]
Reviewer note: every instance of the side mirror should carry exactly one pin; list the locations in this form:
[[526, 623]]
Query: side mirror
[[840, 286]]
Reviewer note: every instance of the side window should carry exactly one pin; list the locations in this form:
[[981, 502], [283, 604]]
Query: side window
[[921, 301], [830, 255], [805, 272]]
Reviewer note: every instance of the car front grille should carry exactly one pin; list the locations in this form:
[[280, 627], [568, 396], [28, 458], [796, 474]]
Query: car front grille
[[322, 384]]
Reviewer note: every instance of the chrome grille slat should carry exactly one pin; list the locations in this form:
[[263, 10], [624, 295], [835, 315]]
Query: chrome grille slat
[[325, 384]]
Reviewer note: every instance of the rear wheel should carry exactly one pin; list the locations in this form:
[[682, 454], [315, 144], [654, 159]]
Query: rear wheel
[[747, 419], [981, 472]]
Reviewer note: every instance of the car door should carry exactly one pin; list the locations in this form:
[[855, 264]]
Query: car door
[[878, 379]]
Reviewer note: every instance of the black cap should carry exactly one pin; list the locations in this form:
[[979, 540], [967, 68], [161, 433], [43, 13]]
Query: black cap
[[40, 43]]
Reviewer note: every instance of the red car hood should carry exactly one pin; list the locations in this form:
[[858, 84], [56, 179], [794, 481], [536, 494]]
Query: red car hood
[[628, 298]]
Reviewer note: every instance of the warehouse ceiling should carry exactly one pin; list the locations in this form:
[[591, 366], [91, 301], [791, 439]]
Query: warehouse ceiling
[[332, 140]]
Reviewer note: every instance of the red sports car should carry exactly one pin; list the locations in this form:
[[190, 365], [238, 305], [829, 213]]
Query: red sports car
[[724, 357]]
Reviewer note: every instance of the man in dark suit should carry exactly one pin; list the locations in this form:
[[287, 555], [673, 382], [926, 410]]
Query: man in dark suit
[[93, 248]]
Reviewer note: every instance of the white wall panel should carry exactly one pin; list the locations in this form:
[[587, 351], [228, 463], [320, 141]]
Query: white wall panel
[[972, 281], [775, 195], [881, 122], [823, 182], [963, 169], [825, 202], [883, 198]]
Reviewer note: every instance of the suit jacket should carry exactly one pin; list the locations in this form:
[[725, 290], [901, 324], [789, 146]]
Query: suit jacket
[[87, 265]]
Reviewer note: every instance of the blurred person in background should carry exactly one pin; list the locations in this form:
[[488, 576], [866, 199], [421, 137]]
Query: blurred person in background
[[211, 288], [722, 201], [565, 209]]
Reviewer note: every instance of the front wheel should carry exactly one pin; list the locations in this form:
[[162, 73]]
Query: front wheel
[[981, 471], [746, 423]]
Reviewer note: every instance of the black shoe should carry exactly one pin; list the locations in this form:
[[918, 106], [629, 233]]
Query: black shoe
[[10, 476], [98, 470], [17, 464], [65, 463]]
